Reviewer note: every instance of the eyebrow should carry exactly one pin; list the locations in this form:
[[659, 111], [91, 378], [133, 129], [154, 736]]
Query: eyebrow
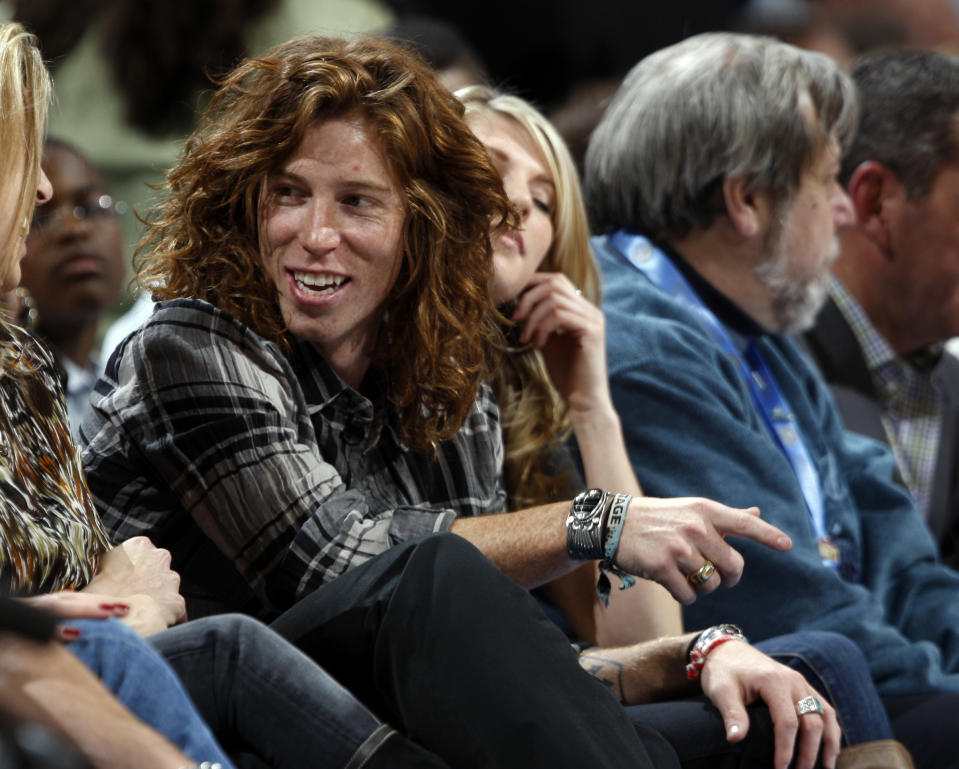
[[500, 155], [362, 184], [543, 179]]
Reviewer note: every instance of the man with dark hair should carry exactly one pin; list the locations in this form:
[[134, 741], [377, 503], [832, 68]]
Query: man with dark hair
[[895, 297], [714, 176]]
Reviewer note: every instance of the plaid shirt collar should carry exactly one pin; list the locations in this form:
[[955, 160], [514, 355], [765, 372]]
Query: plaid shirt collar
[[910, 399], [889, 372], [329, 396]]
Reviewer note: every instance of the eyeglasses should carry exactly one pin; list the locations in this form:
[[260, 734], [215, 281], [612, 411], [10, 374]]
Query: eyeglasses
[[50, 218]]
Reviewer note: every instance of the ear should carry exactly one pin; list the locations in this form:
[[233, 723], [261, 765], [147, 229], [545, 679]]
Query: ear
[[747, 209], [875, 192]]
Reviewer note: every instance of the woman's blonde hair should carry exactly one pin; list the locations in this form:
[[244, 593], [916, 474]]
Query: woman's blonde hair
[[204, 241], [24, 95], [534, 416]]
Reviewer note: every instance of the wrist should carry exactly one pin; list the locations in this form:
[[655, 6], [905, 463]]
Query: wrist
[[706, 642], [593, 413]]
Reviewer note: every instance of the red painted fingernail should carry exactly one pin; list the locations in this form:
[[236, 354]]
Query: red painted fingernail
[[115, 608], [68, 633]]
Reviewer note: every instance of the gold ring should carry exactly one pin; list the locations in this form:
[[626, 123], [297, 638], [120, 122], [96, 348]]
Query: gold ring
[[703, 574]]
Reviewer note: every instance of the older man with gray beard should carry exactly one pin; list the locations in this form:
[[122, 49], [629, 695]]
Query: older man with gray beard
[[713, 177]]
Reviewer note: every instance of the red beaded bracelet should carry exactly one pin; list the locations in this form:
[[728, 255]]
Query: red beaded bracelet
[[707, 641]]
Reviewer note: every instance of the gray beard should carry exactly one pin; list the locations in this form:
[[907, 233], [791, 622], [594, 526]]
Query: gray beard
[[794, 305]]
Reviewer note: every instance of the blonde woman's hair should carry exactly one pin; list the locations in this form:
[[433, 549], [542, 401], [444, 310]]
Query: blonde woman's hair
[[24, 96], [534, 418]]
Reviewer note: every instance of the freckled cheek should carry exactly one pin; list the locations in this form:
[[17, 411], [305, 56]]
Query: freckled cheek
[[286, 223]]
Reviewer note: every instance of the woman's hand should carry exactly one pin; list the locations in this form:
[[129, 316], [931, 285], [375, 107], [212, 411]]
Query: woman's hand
[[571, 332], [66, 604], [137, 567], [736, 674], [140, 613]]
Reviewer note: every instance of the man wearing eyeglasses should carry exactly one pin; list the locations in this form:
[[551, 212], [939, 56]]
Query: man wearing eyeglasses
[[74, 270]]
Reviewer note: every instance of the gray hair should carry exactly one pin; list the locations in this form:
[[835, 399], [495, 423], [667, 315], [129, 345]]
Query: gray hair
[[714, 106], [909, 123]]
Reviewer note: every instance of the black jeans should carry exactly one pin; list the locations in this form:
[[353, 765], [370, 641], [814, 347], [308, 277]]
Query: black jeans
[[439, 643]]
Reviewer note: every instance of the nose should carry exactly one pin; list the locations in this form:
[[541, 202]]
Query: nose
[[843, 213], [519, 196], [44, 189], [321, 233], [321, 238]]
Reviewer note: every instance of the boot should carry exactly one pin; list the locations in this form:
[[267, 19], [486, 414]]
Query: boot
[[878, 754]]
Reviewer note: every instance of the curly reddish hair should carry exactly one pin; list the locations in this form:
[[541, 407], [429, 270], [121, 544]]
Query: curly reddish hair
[[203, 240]]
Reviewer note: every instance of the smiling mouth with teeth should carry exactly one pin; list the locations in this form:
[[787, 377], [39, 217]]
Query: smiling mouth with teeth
[[318, 283]]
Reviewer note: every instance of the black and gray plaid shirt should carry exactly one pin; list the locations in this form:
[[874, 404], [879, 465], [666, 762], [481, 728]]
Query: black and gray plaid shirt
[[264, 472]]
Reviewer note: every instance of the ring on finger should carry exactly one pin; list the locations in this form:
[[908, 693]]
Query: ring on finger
[[703, 574], [808, 705]]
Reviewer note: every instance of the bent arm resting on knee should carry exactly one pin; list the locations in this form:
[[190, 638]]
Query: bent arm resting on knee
[[734, 674]]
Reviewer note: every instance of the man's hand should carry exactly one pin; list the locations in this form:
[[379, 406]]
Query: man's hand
[[666, 540], [137, 567], [736, 674], [145, 616]]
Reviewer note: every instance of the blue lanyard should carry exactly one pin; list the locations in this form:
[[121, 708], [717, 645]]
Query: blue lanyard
[[656, 266]]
